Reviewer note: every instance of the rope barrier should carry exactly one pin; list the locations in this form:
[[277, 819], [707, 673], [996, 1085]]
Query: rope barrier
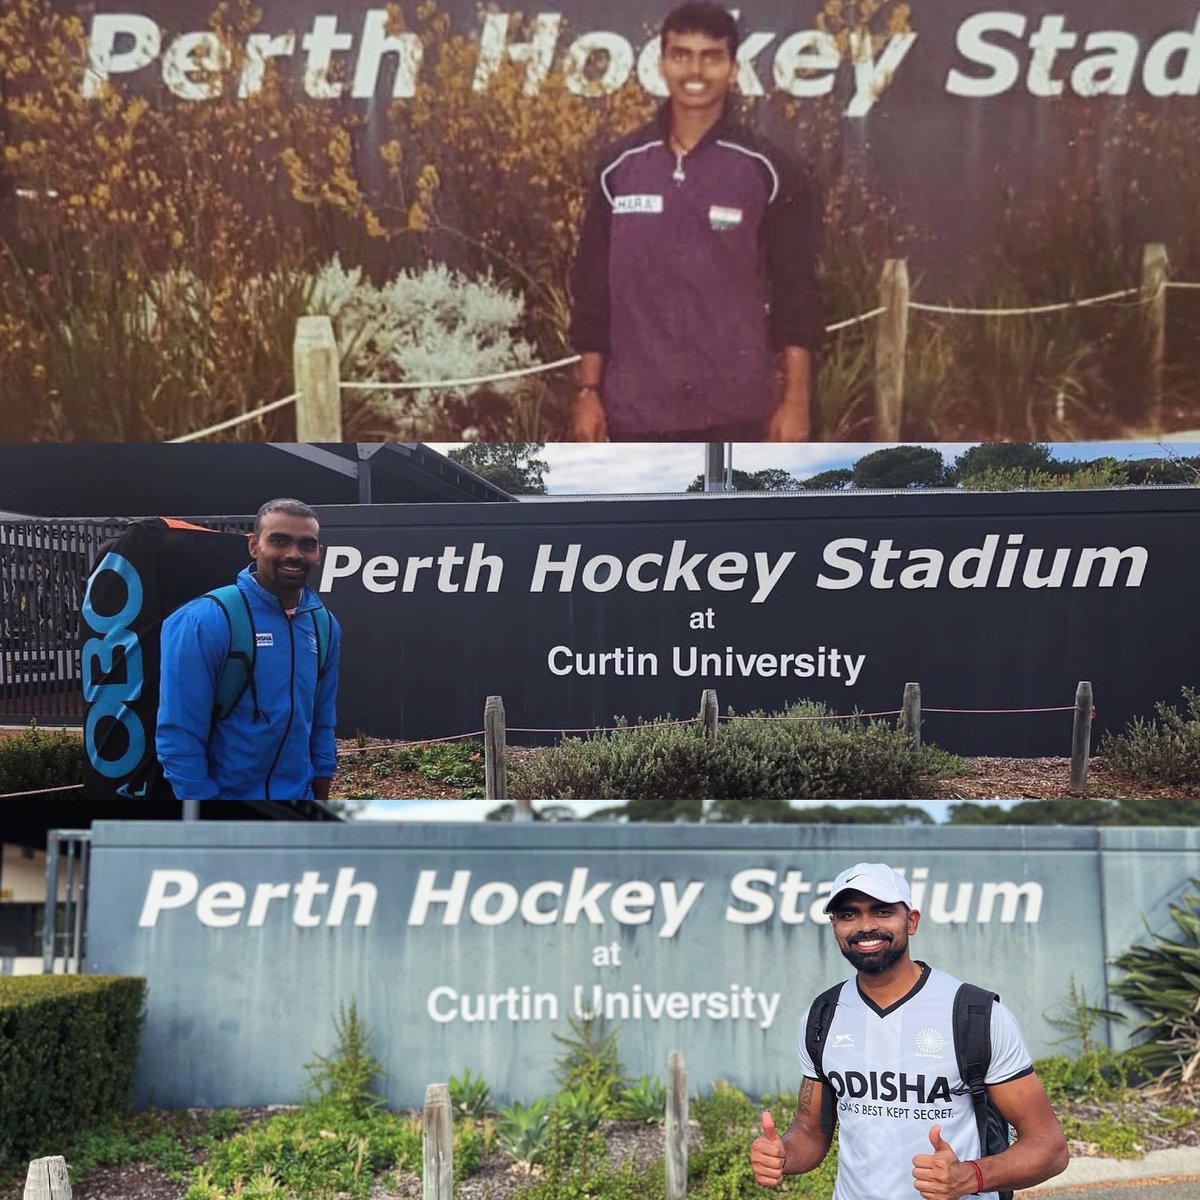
[[67, 787], [891, 712], [258, 412], [1182, 285], [409, 386], [989, 712], [454, 737], [867, 316], [603, 728], [1064, 306]]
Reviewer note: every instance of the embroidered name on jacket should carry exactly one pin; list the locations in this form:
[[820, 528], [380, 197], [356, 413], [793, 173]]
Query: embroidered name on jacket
[[638, 204]]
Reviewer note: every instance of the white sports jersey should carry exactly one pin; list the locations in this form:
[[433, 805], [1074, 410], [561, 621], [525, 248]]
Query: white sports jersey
[[895, 1075]]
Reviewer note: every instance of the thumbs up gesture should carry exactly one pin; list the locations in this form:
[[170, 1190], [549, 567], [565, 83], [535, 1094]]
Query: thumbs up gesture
[[939, 1176], [767, 1154]]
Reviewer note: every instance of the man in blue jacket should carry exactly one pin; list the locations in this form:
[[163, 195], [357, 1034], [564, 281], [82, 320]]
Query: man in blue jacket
[[695, 298], [278, 741]]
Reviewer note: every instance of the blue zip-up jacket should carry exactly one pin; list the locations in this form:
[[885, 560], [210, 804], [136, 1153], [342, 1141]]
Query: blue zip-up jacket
[[274, 756], [690, 270]]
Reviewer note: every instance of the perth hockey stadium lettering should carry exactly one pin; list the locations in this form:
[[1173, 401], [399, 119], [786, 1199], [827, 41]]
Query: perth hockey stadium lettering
[[755, 896], [995, 52], [1000, 561]]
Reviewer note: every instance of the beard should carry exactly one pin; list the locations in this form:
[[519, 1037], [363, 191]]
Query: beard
[[878, 961]]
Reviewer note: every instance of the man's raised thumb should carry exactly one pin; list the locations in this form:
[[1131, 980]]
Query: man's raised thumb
[[935, 1139], [768, 1125]]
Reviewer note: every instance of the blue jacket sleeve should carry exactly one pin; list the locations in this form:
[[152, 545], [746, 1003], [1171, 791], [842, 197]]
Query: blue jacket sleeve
[[195, 644], [322, 743]]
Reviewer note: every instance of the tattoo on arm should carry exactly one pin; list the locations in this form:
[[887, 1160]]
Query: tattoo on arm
[[804, 1102]]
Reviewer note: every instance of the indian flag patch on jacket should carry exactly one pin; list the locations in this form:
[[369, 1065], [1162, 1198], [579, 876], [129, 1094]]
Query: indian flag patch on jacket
[[720, 217]]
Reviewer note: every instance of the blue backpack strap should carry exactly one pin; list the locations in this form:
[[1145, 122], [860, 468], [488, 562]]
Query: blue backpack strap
[[323, 628], [238, 672]]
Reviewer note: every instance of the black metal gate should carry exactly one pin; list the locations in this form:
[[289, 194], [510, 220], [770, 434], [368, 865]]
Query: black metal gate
[[43, 573]]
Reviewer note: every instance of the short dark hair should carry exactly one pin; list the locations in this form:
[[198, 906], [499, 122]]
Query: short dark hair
[[294, 508], [702, 16]]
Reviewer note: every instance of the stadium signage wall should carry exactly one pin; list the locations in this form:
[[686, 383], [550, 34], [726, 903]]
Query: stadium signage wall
[[473, 944], [995, 52]]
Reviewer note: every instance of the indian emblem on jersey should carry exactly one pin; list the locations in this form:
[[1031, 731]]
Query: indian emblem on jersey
[[930, 1043]]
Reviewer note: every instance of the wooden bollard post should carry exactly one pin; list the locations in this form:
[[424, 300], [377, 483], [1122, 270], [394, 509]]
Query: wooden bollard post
[[910, 713], [1081, 737], [677, 1127], [48, 1179], [891, 339], [495, 763], [1154, 326], [437, 1181], [317, 381], [709, 713]]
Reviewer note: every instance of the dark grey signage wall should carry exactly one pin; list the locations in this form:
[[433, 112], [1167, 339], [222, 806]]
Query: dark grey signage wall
[[467, 946], [580, 612]]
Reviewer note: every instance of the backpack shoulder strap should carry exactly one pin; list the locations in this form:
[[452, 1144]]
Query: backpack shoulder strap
[[238, 672], [973, 1048], [323, 628], [816, 1030]]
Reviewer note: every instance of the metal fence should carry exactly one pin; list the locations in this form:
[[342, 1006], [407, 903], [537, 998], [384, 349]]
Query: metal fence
[[64, 925], [44, 566]]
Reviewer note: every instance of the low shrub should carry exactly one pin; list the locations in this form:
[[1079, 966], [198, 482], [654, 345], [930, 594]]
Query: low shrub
[[36, 759], [1163, 749], [68, 1047], [470, 1096], [645, 1101], [765, 761]]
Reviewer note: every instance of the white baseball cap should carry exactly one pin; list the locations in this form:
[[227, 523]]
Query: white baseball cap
[[876, 880]]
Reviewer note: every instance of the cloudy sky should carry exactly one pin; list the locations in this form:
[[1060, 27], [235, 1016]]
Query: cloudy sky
[[670, 467]]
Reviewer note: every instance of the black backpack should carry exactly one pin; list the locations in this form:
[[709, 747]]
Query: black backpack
[[972, 1024]]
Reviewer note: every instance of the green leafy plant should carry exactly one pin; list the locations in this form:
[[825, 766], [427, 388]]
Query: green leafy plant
[[582, 1109], [345, 1079], [1163, 980], [589, 1061], [1095, 1072], [644, 1100], [470, 1095], [523, 1131]]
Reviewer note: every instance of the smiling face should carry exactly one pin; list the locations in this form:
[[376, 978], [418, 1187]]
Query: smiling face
[[286, 548], [872, 935], [698, 71]]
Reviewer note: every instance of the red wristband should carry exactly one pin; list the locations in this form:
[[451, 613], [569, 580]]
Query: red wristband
[[978, 1176]]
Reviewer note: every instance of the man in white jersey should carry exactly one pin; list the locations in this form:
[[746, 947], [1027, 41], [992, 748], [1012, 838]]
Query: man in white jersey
[[908, 1126]]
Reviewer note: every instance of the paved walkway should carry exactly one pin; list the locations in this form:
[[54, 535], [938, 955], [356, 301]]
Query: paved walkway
[[1161, 1175]]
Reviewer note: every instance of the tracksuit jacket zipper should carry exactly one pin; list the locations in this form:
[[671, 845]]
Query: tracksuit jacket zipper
[[291, 707]]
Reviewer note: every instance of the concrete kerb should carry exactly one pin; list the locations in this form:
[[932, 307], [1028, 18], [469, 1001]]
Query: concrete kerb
[[1178, 1164]]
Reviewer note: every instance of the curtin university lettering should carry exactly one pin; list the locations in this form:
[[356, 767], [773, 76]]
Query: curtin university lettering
[[755, 896]]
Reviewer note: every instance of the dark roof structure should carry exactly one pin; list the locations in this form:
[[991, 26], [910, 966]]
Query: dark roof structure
[[133, 479]]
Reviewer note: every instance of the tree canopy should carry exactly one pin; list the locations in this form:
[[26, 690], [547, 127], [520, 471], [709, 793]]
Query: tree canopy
[[513, 466]]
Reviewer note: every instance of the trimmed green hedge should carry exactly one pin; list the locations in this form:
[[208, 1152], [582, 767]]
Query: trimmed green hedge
[[68, 1047], [37, 759]]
